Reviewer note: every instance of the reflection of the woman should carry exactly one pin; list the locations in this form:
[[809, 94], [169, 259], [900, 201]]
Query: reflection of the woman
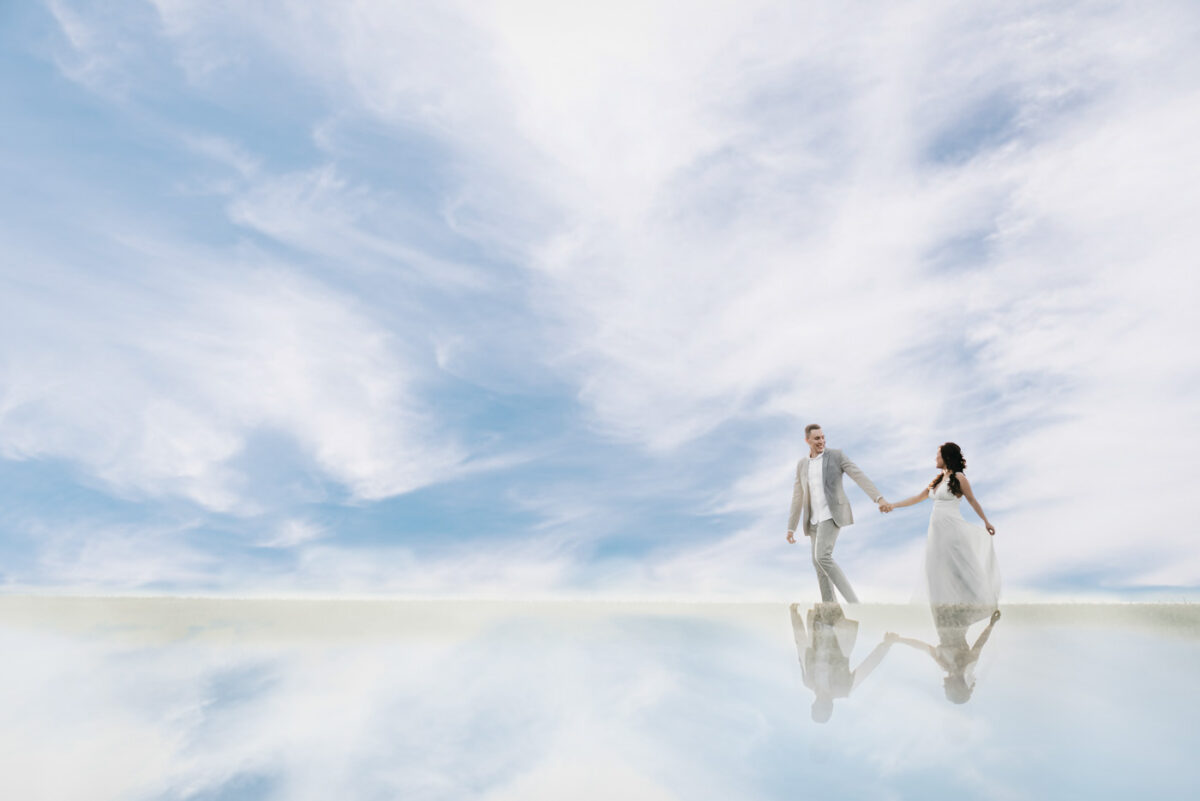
[[824, 650], [952, 653]]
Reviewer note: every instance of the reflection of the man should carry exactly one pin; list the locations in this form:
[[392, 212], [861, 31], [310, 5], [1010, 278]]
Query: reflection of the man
[[952, 653], [824, 649]]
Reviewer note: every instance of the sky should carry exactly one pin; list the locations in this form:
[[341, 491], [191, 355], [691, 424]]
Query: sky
[[517, 299]]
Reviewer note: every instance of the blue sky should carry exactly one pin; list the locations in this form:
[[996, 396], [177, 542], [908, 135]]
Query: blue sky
[[516, 299]]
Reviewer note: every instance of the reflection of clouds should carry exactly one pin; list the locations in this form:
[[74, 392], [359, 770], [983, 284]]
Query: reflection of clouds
[[507, 710], [206, 699], [65, 731], [585, 775]]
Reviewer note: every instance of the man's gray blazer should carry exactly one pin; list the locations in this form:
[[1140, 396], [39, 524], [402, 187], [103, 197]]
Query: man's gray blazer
[[836, 464]]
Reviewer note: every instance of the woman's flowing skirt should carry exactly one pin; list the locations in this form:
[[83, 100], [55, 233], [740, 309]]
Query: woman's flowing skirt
[[961, 574]]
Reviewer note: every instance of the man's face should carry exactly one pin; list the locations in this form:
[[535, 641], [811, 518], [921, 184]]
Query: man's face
[[816, 440]]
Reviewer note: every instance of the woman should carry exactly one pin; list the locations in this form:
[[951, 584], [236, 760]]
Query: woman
[[960, 570], [953, 654], [960, 563]]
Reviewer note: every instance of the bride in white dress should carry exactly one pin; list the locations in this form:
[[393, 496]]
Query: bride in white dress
[[960, 569], [960, 564]]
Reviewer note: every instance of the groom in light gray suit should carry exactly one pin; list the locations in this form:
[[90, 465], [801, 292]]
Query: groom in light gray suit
[[818, 499]]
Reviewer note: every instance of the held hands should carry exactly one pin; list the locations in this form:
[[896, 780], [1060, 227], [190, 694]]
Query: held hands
[[885, 507]]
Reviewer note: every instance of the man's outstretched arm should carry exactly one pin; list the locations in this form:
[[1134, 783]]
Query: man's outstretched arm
[[860, 478], [871, 662]]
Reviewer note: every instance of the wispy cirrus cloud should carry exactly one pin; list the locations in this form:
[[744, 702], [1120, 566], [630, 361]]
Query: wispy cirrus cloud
[[156, 386]]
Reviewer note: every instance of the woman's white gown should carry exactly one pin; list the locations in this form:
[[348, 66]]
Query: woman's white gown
[[960, 561]]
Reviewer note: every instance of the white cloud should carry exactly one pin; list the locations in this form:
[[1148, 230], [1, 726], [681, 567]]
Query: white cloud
[[89, 557], [155, 384], [318, 211], [294, 532]]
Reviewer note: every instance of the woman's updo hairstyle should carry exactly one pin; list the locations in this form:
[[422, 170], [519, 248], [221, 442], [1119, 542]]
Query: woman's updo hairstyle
[[952, 457]]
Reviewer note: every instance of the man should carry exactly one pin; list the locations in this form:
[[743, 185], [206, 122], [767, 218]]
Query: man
[[824, 650], [819, 499]]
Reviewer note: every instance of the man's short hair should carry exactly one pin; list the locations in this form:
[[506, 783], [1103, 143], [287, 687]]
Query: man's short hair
[[808, 428]]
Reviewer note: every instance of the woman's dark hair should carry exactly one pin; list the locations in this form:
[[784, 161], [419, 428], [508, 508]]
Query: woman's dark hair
[[953, 459], [956, 687]]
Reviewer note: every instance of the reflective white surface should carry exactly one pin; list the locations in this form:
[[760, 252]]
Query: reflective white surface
[[203, 699]]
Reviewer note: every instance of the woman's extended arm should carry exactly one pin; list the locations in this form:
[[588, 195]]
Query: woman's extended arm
[[908, 501], [983, 636], [970, 496]]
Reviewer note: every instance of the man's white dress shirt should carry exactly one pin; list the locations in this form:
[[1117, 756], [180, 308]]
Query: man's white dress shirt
[[816, 490]]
